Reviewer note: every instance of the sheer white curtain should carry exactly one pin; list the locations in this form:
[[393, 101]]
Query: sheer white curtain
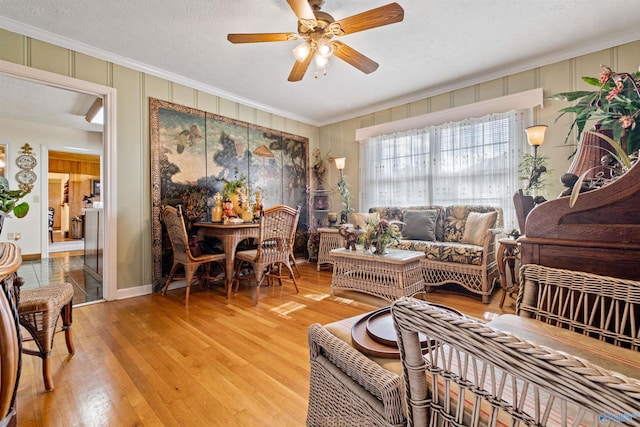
[[474, 161], [396, 169]]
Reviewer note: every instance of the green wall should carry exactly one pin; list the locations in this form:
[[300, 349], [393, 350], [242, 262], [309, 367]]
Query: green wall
[[134, 261], [135, 88]]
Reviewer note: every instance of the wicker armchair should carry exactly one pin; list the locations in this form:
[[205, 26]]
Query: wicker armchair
[[276, 233], [604, 308], [10, 340], [347, 388], [474, 374], [182, 255]]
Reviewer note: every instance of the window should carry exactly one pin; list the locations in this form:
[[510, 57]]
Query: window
[[474, 161]]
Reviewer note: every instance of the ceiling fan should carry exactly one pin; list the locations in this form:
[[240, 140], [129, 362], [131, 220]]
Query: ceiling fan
[[318, 28]]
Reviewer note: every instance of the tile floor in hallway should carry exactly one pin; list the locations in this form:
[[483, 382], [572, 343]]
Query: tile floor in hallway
[[62, 267]]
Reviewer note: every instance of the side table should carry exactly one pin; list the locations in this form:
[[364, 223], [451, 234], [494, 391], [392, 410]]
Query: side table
[[329, 239], [508, 253]]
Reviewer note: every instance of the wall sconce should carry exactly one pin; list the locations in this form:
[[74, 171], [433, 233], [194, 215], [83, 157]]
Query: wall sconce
[[535, 137]]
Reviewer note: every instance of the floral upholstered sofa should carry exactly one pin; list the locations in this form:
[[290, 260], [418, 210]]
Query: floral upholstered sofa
[[459, 242]]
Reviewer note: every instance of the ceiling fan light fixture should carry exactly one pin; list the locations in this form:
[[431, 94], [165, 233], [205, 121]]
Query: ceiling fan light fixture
[[325, 48], [301, 51], [321, 61]]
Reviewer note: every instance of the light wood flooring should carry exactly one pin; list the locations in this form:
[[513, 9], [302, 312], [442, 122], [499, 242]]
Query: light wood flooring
[[149, 361]]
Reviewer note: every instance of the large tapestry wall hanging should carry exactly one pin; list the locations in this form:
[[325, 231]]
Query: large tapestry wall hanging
[[193, 153]]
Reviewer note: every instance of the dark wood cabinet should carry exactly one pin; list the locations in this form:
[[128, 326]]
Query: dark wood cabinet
[[600, 234]]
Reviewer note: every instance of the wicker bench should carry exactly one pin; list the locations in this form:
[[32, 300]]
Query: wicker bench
[[557, 361]]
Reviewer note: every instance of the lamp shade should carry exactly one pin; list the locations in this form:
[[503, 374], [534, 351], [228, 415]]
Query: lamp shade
[[301, 51], [535, 135], [340, 161]]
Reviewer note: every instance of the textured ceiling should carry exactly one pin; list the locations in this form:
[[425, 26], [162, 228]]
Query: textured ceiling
[[438, 47]]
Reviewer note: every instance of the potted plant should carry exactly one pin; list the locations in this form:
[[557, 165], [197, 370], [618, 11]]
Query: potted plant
[[614, 106], [233, 190], [534, 170], [10, 201], [319, 168]]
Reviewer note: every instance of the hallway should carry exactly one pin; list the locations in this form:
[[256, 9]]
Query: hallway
[[62, 267]]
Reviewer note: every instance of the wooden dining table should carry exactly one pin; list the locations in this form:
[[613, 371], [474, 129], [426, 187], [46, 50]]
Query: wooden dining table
[[230, 235]]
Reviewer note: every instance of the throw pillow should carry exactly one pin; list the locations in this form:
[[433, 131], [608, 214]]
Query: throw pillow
[[360, 219], [476, 227], [419, 225]]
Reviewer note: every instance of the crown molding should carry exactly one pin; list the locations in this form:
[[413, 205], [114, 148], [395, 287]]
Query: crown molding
[[80, 47]]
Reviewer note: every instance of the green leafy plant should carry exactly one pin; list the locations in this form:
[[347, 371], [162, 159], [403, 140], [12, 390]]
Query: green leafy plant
[[230, 186], [9, 200], [343, 189], [381, 234], [534, 170], [614, 105], [319, 167]]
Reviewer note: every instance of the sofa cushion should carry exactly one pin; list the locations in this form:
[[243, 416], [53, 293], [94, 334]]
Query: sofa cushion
[[393, 213], [360, 219], [477, 226], [445, 251], [456, 219], [419, 224]]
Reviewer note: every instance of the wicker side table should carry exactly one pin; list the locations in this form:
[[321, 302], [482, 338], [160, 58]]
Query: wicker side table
[[389, 276], [329, 239]]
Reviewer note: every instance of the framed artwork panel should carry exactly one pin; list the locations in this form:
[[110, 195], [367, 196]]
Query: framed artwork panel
[[194, 152]]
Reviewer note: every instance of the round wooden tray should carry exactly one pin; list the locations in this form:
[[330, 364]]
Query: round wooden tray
[[375, 334]]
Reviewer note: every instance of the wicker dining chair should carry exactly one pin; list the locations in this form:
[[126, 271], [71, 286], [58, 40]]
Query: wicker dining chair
[[276, 233], [39, 310], [182, 254]]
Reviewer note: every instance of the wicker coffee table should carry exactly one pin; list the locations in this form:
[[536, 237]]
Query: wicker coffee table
[[389, 276]]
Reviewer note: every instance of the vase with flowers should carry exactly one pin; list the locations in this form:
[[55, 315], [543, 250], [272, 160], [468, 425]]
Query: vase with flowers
[[380, 235], [319, 168]]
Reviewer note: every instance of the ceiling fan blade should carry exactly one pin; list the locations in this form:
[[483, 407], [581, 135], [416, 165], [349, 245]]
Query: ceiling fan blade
[[384, 15], [300, 67], [302, 9], [355, 58], [261, 37]]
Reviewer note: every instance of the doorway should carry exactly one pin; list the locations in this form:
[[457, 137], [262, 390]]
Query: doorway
[[108, 166]]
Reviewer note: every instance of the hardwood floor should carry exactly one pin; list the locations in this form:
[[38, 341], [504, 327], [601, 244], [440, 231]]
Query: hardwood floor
[[150, 361]]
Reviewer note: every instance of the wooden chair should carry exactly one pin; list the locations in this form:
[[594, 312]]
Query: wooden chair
[[182, 254], [524, 205], [276, 233], [39, 310], [52, 213], [10, 341]]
